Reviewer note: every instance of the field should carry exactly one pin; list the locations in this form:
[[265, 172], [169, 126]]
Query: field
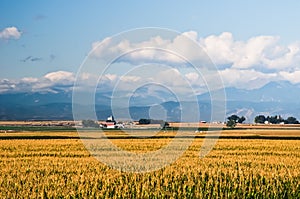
[[45, 164]]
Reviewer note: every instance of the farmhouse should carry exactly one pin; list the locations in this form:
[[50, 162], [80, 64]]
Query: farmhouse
[[110, 123]]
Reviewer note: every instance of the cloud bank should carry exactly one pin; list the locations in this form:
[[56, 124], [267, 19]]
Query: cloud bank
[[247, 63], [51, 82], [64, 81]]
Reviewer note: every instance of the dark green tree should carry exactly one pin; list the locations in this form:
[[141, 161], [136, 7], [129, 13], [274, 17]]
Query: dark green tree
[[144, 121], [231, 123], [241, 119], [150, 121], [291, 120], [233, 120], [275, 119], [260, 119]]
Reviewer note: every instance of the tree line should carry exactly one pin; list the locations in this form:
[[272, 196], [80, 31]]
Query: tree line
[[277, 119], [261, 119]]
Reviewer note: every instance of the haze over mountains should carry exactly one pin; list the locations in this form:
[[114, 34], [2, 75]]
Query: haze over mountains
[[275, 98]]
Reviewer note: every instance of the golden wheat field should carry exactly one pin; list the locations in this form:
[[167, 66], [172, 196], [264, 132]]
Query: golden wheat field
[[235, 168]]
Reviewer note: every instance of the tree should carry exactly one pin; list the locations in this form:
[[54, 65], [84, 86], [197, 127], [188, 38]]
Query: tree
[[291, 120], [164, 125], [150, 121], [231, 123], [144, 121], [260, 119], [280, 119], [274, 119], [241, 119], [90, 123], [277, 119], [233, 120]]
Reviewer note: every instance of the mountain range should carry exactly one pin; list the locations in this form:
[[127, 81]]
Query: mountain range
[[275, 98]]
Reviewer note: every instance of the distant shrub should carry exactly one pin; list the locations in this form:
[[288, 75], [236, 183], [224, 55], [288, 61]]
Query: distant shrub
[[151, 121]]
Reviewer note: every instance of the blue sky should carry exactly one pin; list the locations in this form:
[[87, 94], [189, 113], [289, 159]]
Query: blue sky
[[57, 35]]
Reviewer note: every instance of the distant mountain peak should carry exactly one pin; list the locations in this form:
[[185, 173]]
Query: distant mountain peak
[[277, 85]]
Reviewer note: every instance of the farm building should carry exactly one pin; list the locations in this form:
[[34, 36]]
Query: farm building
[[110, 123]]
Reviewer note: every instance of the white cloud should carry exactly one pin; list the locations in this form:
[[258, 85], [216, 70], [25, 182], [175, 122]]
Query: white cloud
[[85, 76], [156, 49], [179, 83], [193, 77], [219, 48], [29, 80], [246, 79], [247, 63], [51, 82], [259, 52], [170, 78], [130, 78], [59, 80], [288, 57], [6, 85], [10, 33], [110, 77], [293, 77], [60, 76]]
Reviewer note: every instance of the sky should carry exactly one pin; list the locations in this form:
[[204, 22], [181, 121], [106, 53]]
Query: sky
[[43, 43]]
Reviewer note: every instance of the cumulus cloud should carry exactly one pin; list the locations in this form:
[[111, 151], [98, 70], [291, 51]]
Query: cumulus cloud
[[156, 49], [293, 77], [256, 52], [260, 52], [246, 79], [10, 33], [64, 81], [51, 82], [255, 61], [6, 85], [60, 76]]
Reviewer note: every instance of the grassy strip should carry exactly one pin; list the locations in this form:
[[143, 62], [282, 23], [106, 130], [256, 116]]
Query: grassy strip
[[67, 128], [39, 137], [37, 128]]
